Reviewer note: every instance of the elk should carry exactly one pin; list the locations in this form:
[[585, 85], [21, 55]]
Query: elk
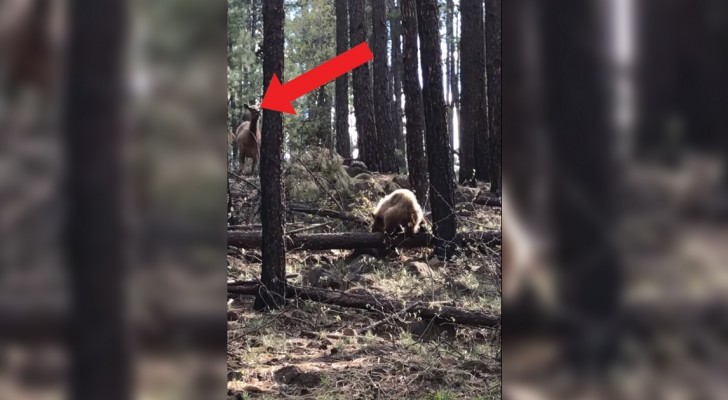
[[248, 138]]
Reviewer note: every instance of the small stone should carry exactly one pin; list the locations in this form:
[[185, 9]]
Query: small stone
[[419, 268], [435, 263]]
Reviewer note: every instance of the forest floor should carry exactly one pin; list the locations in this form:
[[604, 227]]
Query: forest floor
[[311, 350]]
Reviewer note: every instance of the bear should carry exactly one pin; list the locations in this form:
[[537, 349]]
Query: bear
[[396, 211]]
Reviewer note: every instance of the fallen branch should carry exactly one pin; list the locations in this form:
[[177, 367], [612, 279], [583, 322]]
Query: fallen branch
[[326, 213], [387, 319], [359, 240], [372, 303]]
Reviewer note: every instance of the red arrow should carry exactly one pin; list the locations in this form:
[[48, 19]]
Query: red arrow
[[279, 97]]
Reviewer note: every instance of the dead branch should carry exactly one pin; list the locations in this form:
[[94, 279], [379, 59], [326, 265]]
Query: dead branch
[[388, 318], [360, 240], [372, 303]]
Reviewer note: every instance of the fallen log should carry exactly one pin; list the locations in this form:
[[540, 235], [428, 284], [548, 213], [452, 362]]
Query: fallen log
[[360, 240], [373, 303]]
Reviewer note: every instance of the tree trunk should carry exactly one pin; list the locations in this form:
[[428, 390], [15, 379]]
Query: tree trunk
[[95, 233], [367, 138], [361, 240], [323, 118], [577, 101], [272, 213], [343, 141], [395, 21], [491, 168], [437, 143], [382, 96], [473, 122], [413, 108]]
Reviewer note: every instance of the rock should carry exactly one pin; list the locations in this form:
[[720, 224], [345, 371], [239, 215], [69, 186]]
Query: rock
[[418, 268], [287, 374], [359, 164], [402, 181], [364, 176], [390, 186], [292, 375], [322, 278], [356, 168], [307, 379], [465, 194], [435, 263]]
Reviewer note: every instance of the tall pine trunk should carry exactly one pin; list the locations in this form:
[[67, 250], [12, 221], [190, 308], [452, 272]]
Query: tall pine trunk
[[437, 143], [413, 108], [367, 138], [395, 22], [490, 168], [272, 215], [343, 141], [382, 95], [95, 232], [473, 122]]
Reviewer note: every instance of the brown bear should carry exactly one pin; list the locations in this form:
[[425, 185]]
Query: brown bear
[[398, 210]]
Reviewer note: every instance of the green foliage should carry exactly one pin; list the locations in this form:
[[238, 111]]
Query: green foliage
[[310, 30], [313, 172]]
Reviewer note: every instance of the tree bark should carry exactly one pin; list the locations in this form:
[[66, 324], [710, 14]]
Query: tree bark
[[272, 213], [473, 122], [361, 240], [395, 22], [374, 303], [413, 108], [573, 43], [437, 143], [490, 168], [367, 138], [382, 95], [95, 234], [343, 141]]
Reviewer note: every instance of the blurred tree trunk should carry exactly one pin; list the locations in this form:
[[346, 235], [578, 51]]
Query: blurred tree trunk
[[272, 213], [95, 231], [343, 141], [584, 210], [395, 22], [382, 95], [413, 108], [473, 122], [490, 168], [437, 141], [367, 138]]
